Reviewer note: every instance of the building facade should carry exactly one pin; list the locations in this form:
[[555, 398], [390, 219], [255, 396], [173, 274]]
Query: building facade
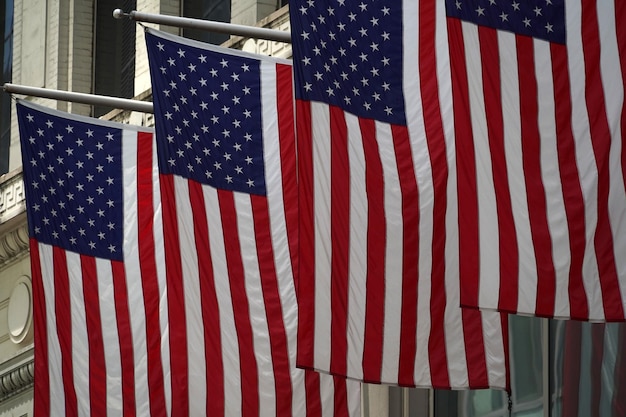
[[557, 368]]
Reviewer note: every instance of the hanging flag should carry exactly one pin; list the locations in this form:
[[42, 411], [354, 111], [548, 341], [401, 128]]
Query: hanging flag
[[92, 202], [226, 145], [379, 277], [538, 92]]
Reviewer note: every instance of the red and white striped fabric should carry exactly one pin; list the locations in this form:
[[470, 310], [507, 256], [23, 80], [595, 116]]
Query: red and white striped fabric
[[378, 216], [231, 254], [541, 160], [98, 329]]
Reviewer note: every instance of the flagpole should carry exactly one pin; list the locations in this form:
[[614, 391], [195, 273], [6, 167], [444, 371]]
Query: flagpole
[[208, 25], [92, 99]]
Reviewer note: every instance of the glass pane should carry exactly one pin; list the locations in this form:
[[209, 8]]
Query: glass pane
[[588, 369], [526, 379]]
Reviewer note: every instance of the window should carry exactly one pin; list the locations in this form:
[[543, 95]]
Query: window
[[114, 63], [6, 51], [216, 10]]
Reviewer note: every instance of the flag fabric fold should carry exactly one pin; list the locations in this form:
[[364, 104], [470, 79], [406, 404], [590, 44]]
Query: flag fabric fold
[[538, 93], [92, 202], [227, 161], [379, 272]]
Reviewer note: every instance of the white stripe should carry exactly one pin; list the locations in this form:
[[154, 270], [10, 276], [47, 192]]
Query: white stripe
[[455, 343], [323, 246], [550, 173], [57, 391], [393, 253], [108, 318], [191, 291], [353, 392], [278, 224], [423, 175], [489, 251], [257, 316], [228, 332], [494, 349], [80, 344], [611, 77], [134, 283], [159, 254], [357, 288], [584, 156], [515, 172]]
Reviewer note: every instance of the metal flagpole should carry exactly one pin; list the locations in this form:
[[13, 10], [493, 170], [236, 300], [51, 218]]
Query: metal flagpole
[[93, 99], [208, 25]]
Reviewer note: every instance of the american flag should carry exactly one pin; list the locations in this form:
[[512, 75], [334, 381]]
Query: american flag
[[538, 89], [379, 278], [226, 145], [96, 262]]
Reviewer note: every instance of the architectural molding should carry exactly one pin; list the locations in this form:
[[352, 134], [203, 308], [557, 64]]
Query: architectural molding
[[17, 377], [14, 244], [12, 195]]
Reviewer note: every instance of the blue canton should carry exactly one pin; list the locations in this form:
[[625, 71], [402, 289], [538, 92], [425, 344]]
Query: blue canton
[[542, 19], [209, 115], [348, 54], [73, 181]]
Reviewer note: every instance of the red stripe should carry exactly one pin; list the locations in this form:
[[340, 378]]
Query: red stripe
[[429, 87], [306, 268], [410, 258], [572, 191], [124, 331], [601, 141], [620, 28], [312, 391], [466, 170], [504, 328], [97, 366], [64, 328], [507, 242], [531, 161], [339, 239], [571, 368], [273, 307], [209, 304], [597, 355], [286, 136], [475, 356], [241, 309], [341, 407], [376, 253], [175, 301], [147, 265], [41, 389]]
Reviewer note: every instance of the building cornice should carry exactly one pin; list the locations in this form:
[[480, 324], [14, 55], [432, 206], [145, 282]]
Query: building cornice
[[12, 195], [17, 375], [13, 225]]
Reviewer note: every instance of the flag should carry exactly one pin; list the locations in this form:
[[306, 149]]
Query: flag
[[538, 92], [589, 368], [92, 202], [379, 277], [226, 146]]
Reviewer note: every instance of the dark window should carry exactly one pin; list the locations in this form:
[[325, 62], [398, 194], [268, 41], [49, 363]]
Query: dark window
[[215, 10], [6, 51], [114, 72]]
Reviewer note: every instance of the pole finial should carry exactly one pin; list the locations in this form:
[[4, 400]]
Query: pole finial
[[119, 14]]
